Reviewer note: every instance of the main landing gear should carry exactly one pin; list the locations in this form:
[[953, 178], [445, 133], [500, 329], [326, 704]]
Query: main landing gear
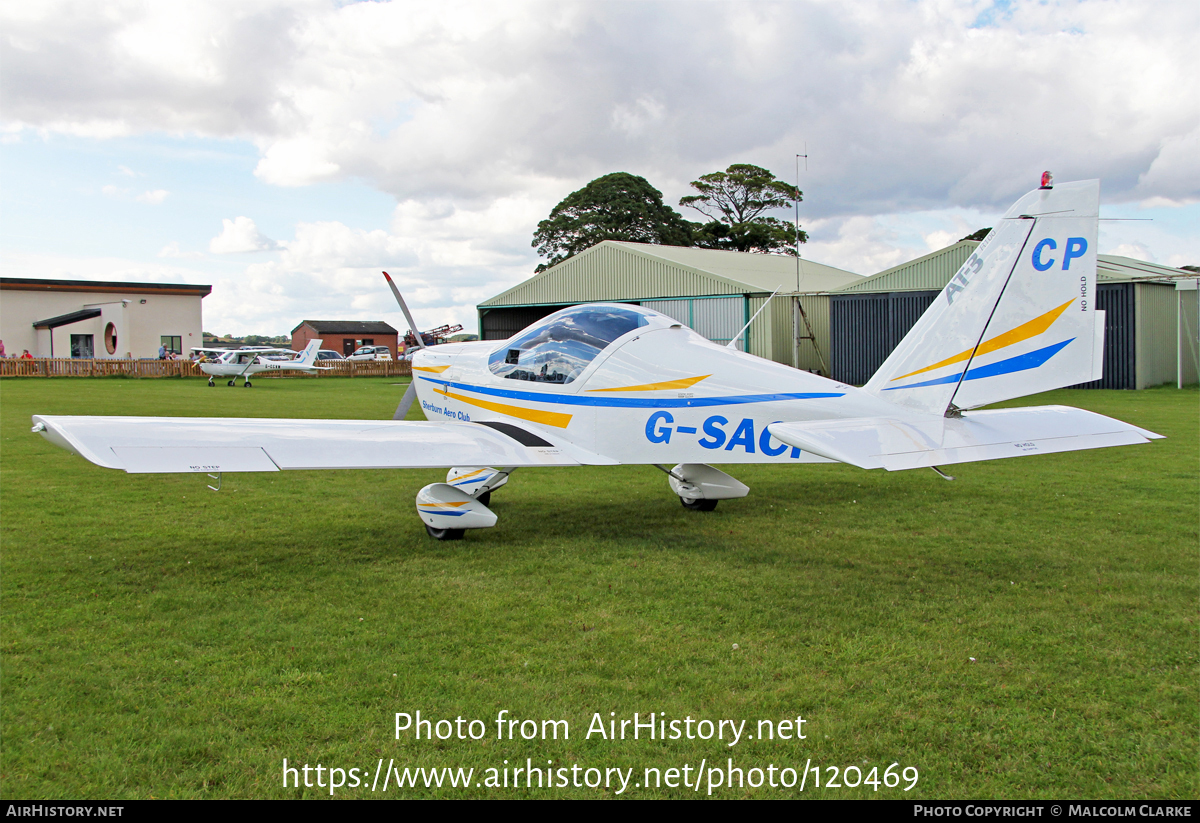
[[699, 486], [449, 509]]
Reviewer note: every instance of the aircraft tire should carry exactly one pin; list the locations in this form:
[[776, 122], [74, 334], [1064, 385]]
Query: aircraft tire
[[230, 383], [700, 505], [246, 385], [485, 498], [211, 384], [445, 534]]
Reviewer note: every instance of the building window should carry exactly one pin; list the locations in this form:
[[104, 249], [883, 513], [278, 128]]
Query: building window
[[110, 338], [173, 345], [82, 347]]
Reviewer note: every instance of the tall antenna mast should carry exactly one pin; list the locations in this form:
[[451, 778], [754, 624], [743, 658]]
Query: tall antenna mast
[[798, 156], [800, 315]]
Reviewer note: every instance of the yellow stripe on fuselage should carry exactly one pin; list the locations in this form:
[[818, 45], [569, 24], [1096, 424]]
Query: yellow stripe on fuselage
[[1022, 332], [547, 418], [434, 369], [668, 384]]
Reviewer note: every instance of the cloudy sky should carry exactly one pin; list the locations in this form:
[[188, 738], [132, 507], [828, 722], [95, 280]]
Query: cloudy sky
[[286, 152]]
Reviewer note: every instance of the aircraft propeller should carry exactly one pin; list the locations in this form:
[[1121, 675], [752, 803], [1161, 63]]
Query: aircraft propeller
[[410, 394]]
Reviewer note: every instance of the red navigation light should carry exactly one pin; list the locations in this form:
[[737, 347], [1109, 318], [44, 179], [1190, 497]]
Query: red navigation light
[[1047, 180]]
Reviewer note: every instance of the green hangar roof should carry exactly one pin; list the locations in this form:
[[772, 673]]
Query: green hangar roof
[[933, 271], [615, 270]]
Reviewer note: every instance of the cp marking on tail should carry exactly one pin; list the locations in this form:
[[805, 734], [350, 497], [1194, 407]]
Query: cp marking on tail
[[1076, 247]]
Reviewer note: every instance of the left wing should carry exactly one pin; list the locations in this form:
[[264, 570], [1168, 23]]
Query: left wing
[[196, 444]]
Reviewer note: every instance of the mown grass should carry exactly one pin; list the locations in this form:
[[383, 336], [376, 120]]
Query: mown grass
[[1026, 631]]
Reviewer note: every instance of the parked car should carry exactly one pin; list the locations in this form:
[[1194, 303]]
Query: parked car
[[371, 353], [329, 354]]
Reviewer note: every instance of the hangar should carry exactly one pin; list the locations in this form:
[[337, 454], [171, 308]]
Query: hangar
[[346, 335], [103, 320], [1141, 346], [714, 292]]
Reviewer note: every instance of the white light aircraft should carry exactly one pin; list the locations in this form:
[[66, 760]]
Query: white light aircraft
[[610, 384], [244, 363]]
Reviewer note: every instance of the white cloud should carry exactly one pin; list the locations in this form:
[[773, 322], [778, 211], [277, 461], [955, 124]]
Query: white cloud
[[65, 267], [862, 245], [1166, 203], [172, 249], [903, 106], [445, 259], [1137, 251], [240, 235], [478, 117], [154, 198]]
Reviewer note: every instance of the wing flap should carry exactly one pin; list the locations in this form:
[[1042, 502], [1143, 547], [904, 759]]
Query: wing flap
[[896, 444], [143, 460], [181, 444]]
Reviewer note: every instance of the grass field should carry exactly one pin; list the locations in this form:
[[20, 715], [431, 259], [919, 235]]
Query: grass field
[[1027, 631]]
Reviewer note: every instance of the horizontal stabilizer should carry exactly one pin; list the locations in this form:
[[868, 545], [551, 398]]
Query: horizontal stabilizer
[[919, 442], [196, 444]]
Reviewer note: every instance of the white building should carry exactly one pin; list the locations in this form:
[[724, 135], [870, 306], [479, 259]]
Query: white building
[[86, 319]]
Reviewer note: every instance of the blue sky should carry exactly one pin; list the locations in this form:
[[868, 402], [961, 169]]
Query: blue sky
[[284, 152]]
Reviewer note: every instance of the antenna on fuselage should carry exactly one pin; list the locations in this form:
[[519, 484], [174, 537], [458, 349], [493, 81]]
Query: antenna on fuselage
[[732, 344], [410, 393]]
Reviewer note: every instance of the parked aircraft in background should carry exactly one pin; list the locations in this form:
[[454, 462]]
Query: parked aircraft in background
[[610, 384], [244, 363]]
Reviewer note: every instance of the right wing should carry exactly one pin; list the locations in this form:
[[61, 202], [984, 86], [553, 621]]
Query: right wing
[[196, 444]]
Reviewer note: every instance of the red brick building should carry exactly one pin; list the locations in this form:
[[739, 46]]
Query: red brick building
[[346, 335]]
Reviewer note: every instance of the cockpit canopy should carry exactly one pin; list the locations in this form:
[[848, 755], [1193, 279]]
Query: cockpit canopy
[[559, 348]]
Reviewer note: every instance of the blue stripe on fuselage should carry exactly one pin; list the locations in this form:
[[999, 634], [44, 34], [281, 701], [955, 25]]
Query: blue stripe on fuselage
[[632, 402]]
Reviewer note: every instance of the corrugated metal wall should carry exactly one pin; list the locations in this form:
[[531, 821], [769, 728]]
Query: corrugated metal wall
[[1116, 300], [680, 310], [1187, 316], [864, 328], [933, 271], [1155, 333], [501, 324], [816, 308], [717, 318]]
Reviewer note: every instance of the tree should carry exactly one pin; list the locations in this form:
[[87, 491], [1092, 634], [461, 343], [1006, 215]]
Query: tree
[[617, 206], [734, 200], [977, 235]]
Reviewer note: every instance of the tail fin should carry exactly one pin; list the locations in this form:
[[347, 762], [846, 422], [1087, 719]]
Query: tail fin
[[1018, 318], [309, 355]]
